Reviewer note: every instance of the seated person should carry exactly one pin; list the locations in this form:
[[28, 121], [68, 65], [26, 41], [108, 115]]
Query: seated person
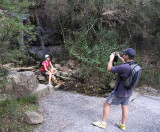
[[47, 69]]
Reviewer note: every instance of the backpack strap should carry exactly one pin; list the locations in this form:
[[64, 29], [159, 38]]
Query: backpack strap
[[132, 68], [131, 62]]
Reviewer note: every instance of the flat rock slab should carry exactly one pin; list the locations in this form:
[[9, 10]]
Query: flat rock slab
[[42, 90], [70, 112]]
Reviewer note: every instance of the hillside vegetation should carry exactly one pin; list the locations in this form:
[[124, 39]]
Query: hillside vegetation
[[93, 29]]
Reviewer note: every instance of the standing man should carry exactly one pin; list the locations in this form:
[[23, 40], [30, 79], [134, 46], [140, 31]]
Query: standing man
[[47, 69], [120, 94]]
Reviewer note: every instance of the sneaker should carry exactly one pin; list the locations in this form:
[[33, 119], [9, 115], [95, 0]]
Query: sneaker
[[50, 85], [121, 126], [100, 124]]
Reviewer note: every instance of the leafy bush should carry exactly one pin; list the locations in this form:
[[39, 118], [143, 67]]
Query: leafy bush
[[3, 81], [13, 55], [94, 53]]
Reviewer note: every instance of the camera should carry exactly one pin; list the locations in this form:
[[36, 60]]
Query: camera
[[115, 57]]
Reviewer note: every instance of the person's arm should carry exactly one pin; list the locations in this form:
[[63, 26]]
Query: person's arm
[[110, 63], [45, 68], [52, 66], [53, 70], [120, 57]]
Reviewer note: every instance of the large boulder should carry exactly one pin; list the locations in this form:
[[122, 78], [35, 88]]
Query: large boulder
[[71, 64], [54, 51], [57, 66], [149, 90], [64, 69], [22, 83], [41, 78], [77, 73]]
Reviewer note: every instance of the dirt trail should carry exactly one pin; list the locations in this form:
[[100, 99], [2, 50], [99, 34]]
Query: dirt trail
[[70, 112]]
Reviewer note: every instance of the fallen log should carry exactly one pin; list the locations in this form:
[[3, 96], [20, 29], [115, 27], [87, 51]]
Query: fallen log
[[24, 68]]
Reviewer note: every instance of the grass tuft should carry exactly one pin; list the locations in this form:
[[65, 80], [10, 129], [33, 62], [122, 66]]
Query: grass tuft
[[12, 113]]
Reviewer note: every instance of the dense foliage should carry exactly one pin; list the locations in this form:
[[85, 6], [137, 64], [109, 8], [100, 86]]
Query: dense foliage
[[92, 29], [80, 23]]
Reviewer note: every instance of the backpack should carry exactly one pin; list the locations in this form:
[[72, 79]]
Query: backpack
[[40, 64], [134, 76]]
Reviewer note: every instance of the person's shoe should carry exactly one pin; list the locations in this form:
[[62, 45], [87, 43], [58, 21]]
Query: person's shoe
[[50, 85], [121, 126], [100, 124]]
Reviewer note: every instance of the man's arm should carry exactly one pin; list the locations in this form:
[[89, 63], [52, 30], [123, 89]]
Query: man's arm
[[110, 63], [120, 57]]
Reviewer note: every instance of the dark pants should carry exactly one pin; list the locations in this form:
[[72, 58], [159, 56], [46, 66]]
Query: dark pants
[[43, 73]]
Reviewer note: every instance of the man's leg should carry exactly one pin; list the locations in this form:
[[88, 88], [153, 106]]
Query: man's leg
[[124, 113], [124, 106], [110, 100], [105, 111], [102, 124]]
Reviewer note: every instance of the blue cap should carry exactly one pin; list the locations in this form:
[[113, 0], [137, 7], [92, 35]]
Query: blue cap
[[129, 52], [46, 56]]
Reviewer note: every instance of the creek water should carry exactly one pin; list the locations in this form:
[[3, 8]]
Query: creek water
[[22, 37], [39, 33]]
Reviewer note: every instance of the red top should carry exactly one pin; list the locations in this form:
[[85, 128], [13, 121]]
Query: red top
[[46, 63]]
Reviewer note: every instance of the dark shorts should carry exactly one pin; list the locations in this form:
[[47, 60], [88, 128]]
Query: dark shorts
[[43, 73], [115, 100]]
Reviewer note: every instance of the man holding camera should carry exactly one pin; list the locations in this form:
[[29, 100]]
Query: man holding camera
[[120, 95]]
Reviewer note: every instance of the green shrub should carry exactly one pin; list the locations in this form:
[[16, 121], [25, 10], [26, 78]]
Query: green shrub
[[3, 81], [31, 99], [93, 54], [13, 55], [157, 79]]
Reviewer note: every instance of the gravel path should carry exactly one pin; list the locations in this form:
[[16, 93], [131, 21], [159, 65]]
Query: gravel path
[[70, 112]]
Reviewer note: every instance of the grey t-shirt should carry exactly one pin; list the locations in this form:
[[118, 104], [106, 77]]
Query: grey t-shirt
[[123, 71]]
